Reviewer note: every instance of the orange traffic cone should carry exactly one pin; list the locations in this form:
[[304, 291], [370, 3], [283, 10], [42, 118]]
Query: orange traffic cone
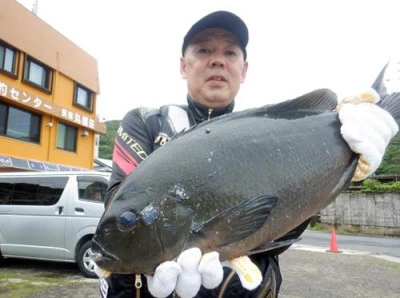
[[334, 245]]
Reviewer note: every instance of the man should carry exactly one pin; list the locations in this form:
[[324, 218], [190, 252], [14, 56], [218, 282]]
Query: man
[[214, 65]]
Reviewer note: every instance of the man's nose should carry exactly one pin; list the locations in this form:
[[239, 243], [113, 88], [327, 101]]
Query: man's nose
[[217, 61]]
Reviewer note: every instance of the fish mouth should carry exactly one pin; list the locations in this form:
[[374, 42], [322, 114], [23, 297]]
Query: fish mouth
[[100, 254]]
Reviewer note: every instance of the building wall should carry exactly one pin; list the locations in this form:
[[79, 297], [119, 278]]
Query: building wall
[[70, 65], [371, 212]]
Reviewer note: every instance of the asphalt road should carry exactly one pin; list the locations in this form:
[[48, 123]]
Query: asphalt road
[[388, 246], [305, 274], [308, 271], [318, 274]]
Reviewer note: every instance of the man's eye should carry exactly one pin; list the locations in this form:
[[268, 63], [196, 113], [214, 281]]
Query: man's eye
[[204, 51], [231, 53]]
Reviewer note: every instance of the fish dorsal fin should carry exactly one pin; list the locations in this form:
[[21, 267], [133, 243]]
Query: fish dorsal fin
[[315, 102], [236, 222]]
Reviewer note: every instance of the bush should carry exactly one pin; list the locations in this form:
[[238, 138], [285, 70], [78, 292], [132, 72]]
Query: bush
[[370, 185]]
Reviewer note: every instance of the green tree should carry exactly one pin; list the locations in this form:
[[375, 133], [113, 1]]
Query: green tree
[[391, 161], [106, 145]]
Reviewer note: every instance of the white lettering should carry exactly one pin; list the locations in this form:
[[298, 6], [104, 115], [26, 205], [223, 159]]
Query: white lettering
[[134, 145]]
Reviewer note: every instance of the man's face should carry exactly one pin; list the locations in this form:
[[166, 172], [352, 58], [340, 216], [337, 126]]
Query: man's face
[[214, 68]]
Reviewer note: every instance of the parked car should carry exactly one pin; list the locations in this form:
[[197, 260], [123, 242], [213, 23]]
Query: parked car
[[51, 215]]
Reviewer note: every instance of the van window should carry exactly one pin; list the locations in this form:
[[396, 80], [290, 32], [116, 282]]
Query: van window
[[31, 190], [91, 190], [6, 190]]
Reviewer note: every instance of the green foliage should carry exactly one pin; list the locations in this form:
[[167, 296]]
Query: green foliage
[[353, 229], [23, 285], [370, 185], [316, 226], [391, 161], [106, 145]]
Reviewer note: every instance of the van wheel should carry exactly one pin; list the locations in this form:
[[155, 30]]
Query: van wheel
[[85, 262]]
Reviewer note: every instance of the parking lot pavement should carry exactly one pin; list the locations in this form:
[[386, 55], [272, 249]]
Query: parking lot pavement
[[306, 274], [322, 274]]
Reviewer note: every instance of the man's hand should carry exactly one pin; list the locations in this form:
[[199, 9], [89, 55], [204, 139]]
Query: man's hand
[[186, 275], [191, 270], [367, 130]]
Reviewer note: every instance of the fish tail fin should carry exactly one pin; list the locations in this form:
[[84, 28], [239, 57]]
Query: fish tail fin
[[379, 85], [387, 84], [391, 104]]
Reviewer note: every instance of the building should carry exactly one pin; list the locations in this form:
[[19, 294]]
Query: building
[[48, 96]]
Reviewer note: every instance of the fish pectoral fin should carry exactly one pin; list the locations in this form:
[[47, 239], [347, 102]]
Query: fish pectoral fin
[[238, 222]]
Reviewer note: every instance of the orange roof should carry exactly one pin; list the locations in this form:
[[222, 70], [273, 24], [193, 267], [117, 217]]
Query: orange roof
[[25, 31]]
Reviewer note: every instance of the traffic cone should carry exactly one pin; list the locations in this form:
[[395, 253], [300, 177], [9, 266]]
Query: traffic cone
[[334, 245]]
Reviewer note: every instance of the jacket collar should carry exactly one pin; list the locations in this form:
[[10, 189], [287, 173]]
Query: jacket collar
[[201, 113]]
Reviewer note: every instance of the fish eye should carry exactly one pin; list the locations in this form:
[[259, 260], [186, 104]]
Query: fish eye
[[149, 215], [127, 221]]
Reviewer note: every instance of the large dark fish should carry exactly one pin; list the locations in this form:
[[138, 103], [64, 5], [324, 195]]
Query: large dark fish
[[229, 184]]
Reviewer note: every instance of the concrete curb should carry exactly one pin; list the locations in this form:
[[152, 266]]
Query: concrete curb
[[344, 251]]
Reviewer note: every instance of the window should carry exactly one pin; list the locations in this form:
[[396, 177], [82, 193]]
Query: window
[[91, 190], [3, 118], [31, 191], [66, 137], [19, 124], [8, 59], [37, 74], [83, 97]]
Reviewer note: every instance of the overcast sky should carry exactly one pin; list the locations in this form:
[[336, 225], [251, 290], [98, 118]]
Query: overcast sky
[[294, 46]]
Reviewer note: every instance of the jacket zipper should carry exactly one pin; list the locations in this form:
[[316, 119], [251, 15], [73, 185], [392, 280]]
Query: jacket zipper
[[223, 288], [209, 113], [138, 284], [269, 287], [265, 289]]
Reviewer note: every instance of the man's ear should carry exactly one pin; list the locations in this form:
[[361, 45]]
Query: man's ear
[[244, 71], [183, 68]]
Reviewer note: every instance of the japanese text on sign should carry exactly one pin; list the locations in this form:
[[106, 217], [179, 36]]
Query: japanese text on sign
[[40, 104]]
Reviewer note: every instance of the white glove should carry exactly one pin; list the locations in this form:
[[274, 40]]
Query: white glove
[[186, 275], [191, 270], [367, 130], [163, 282]]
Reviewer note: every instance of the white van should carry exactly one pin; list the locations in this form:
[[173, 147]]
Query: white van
[[51, 215]]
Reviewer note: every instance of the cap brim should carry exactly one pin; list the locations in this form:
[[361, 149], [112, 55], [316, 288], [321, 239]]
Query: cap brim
[[220, 19]]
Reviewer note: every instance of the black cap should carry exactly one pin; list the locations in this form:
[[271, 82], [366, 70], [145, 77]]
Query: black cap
[[220, 19]]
